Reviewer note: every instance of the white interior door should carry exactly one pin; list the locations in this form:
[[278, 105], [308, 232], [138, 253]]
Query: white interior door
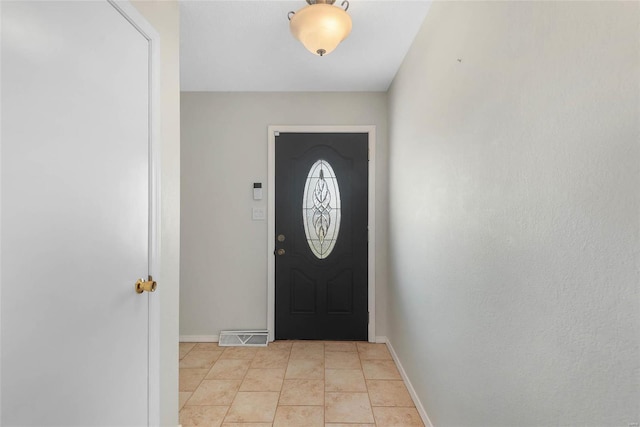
[[75, 191]]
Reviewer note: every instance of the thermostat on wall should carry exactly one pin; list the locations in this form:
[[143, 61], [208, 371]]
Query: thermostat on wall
[[257, 191]]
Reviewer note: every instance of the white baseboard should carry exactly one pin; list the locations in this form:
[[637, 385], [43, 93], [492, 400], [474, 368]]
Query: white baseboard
[[407, 381], [381, 340], [198, 338]]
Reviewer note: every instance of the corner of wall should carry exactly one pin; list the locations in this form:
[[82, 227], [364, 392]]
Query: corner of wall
[[407, 381]]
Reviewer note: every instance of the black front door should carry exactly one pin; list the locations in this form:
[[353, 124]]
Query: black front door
[[321, 236]]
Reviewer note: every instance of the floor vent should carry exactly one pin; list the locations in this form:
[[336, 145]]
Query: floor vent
[[244, 338]]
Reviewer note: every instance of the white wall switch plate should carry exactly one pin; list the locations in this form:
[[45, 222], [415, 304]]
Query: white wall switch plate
[[258, 214]]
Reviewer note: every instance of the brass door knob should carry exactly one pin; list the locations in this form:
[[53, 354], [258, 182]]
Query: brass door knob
[[146, 285], [280, 251]]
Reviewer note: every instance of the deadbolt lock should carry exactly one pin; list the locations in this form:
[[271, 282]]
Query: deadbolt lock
[[280, 251], [146, 285], [281, 237]]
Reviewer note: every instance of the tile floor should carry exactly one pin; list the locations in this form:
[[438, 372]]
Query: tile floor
[[293, 384]]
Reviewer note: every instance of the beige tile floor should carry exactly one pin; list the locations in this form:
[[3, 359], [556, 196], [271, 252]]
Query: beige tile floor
[[293, 384]]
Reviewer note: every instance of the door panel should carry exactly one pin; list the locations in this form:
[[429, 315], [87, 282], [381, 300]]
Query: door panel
[[303, 293], [75, 215], [321, 266], [340, 293]]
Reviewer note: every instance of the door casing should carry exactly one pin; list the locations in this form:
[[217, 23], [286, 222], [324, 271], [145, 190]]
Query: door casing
[[137, 20], [131, 14], [273, 130]]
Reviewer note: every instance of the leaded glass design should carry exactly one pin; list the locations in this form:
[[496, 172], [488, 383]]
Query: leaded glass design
[[321, 209]]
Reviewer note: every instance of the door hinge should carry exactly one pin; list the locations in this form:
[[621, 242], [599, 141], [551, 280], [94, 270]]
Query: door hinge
[[276, 133]]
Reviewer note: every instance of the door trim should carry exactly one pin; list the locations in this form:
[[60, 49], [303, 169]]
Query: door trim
[[140, 23], [271, 217], [0, 210]]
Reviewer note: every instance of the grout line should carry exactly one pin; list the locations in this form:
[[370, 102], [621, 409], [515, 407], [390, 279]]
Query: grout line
[[282, 385], [194, 390], [366, 386]]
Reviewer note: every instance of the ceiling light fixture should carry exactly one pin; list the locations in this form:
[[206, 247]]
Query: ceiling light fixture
[[321, 27]]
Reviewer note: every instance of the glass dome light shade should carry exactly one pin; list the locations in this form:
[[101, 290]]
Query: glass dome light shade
[[320, 27]]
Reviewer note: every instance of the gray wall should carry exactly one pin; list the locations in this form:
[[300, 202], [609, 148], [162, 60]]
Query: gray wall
[[223, 278], [514, 207]]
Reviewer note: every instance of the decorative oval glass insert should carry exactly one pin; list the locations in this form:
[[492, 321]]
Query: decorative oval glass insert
[[321, 209]]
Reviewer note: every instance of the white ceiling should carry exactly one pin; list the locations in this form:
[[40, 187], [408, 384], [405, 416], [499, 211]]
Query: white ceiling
[[239, 45]]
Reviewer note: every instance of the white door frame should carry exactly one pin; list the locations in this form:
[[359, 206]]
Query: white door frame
[[271, 217], [131, 14]]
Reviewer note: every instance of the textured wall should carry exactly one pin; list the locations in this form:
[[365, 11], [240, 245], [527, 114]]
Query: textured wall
[[224, 151], [514, 213]]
